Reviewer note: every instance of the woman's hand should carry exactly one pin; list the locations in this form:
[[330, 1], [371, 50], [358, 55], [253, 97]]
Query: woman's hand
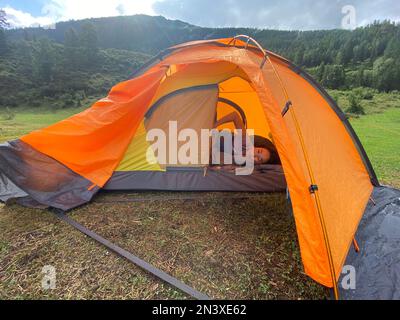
[[231, 117]]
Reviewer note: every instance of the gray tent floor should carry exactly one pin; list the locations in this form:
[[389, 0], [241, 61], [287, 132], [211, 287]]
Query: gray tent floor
[[377, 265]]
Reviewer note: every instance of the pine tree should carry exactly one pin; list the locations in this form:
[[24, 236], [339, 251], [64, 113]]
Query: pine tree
[[321, 72], [72, 51], [347, 51], [89, 42], [360, 77], [3, 43], [44, 61], [3, 38], [386, 74], [3, 19], [355, 104], [393, 49], [27, 36], [334, 77]]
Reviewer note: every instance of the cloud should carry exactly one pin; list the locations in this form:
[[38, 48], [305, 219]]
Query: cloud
[[276, 14], [17, 19], [79, 9], [62, 10]]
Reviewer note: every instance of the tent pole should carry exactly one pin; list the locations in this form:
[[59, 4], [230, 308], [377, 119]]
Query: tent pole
[[312, 179], [248, 39]]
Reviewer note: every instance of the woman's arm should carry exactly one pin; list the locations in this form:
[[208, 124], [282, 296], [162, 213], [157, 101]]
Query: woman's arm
[[231, 117]]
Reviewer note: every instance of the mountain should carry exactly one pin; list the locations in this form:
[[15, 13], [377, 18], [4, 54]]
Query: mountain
[[84, 58], [150, 35], [137, 33]]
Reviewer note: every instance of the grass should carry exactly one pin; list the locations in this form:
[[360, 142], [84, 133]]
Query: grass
[[380, 136], [228, 249], [379, 103], [28, 119], [379, 132]]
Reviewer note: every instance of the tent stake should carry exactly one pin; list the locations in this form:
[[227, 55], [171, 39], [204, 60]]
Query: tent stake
[[372, 200], [356, 246]]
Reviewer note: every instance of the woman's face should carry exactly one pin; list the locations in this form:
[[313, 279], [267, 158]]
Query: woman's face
[[261, 155]]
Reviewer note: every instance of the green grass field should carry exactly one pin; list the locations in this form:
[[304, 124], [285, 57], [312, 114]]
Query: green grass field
[[26, 121], [380, 136], [379, 131], [227, 249]]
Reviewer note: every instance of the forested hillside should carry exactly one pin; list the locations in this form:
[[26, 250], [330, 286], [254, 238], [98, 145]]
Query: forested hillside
[[86, 57], [41, 72]]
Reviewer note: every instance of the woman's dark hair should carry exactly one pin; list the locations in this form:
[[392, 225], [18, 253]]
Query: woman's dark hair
[[261, 142]]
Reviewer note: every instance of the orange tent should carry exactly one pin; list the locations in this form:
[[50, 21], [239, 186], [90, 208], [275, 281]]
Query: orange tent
[[328, 174]]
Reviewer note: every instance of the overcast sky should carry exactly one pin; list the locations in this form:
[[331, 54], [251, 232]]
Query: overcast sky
[[275, 14]]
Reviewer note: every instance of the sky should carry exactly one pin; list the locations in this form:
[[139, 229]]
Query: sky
[[272, 14]]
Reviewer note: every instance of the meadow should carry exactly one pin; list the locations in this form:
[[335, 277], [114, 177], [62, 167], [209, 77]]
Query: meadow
[[379, 132]]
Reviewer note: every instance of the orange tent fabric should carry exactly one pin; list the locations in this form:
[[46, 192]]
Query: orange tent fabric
[[93, 143]]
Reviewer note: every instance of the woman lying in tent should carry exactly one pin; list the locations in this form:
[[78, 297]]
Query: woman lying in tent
[[264, 150]]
